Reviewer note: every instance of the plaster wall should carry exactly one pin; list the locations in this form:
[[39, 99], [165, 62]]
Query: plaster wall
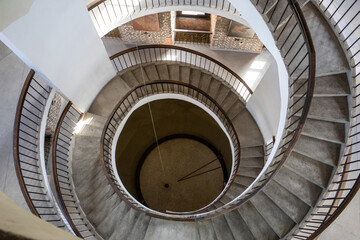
[[58, 40], [264, 105]]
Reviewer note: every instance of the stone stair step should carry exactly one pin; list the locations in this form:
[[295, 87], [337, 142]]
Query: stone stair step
[[130, 79], [302, 188], [222, 93], [206, 230], [252, 151], [329, 85], [151, 72], [252, 162], [163, 71], [256, 223], [249, 172], [235, 110], [235, 190], [185, 74], [195, 76], [229, 101], [287, 201], [222, 229], [325, 130], [141, 75], [126, 225], [160, 229], [274, 216], [205, 81], [213, 88], [109, 96], [238, 226], [330, 57], [332, 108], [174, 72], [314, 171], [244, 181], [104, 209], [140, 227], [320, 150], [109, 225], [245, 124]]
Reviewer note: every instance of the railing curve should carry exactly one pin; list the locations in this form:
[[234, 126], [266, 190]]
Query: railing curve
[[344, 18], [29, 114], [106, 14], [61, 163], [158, 53], [293, 38], [124, 107]]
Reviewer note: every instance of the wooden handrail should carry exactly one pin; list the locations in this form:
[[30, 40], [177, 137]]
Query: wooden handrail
[[185, 50], [55, 176], [110, 118], [16, 142]]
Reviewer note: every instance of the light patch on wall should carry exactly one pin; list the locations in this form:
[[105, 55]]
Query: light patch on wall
[[81, 124], [12, 10], [251, 78], [258, 65], [192, 13]]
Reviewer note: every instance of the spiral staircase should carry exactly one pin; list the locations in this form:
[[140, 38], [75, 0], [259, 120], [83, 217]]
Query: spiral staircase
[[313, 175]]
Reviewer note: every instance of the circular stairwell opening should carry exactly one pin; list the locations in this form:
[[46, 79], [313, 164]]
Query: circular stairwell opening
[[185, 169]]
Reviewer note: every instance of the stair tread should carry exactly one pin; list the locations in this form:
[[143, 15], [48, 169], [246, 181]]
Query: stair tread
[[273, 215], [162, 69], [243, 180], [326, 152], [206, 230], [151, 72], [315, 171], [163, 230], [332, 131], [109, 96], [195, 75], [235, 110], [250, 135], [185, 74], [174, 72], [238, 226], [335, 84], [222, 229], [302, 188], [287, 201], [140, 227], [330, 107], [256, 223]]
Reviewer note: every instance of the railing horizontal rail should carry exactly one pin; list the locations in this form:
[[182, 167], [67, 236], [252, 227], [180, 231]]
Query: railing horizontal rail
[[293, 38], [157, 53], [124, 107], [344, 18], [27, 150]]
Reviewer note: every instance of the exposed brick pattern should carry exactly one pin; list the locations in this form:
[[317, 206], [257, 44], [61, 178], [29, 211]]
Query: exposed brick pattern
[[221, 41]]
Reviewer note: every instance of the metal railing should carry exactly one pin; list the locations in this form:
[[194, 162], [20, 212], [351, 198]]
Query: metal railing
[[62, 172], [344, 17], [29, 115], [288, 25], [158, 53], [125, 106], [108, 14]]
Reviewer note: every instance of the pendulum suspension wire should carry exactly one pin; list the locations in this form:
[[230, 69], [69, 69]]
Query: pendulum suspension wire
[[149, 105]]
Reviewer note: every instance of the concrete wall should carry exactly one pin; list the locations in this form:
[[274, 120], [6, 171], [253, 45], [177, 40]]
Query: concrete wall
[[13, 73], [265, 105], [16, 223], [59, 41]]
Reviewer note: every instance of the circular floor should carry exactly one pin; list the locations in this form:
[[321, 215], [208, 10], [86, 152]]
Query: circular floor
[[187, 176]]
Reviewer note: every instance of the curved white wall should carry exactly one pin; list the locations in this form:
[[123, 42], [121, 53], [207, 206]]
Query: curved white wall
[[59, 41]]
